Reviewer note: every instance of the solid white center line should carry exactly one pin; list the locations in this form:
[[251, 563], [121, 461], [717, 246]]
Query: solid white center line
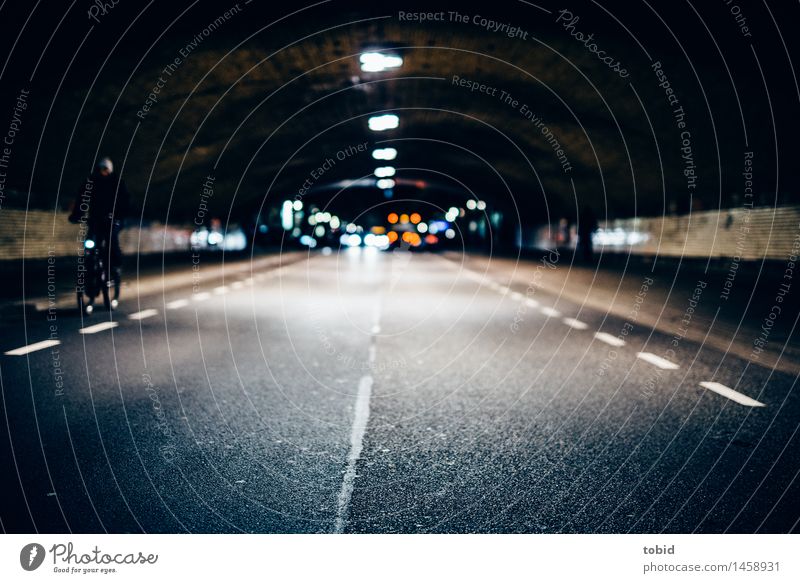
[[223, 289], [149, 313], [177, 304], [577, 324], [657, 360], [609, 339], [721, 389], [98, 327], [33, 347], [201, 296], [550, 312]]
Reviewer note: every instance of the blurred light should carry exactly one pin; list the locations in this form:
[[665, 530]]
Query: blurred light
[[461, 212], [471, 204], [296, 232], [378, 230], [384, 154], [297, 205], [319, 231], [319, 217], [350, 240], [450, 216], [422, 228], [431, 239], [473, 226], [312, 220], [450, 234], [308, 241], [392, 235], [619, 237], [481, 205], [380, 123], [392, 218], [216, 237], [376, 62], [403, 218], [335, 223], [384, 171], [326, 217], [351, 228], [327, 250], [415, 218], [89, 243], [385, 183], [262, 228], [234, 240], [287, 218]]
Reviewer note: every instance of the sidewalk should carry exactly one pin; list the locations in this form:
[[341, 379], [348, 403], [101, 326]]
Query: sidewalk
[[731, 319]]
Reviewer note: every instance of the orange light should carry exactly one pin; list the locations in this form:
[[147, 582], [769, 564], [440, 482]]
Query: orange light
[[404, 218], [392, 218], [407, 236], [378, 230], [415, 240], [415, 218], [392, 236], [431, 239]]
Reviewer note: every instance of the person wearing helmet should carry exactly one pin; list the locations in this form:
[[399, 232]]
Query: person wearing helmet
[[103, 203]]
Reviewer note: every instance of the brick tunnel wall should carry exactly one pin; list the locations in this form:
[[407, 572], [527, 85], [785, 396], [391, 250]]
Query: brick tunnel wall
[[36, 234], [749, 234]]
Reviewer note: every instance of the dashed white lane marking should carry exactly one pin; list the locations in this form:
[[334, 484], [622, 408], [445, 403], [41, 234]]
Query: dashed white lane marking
[[177, 304], [551, 313], [609, 339], [201, 296], [375, 329], [149, 313], [356, 445], [22, 350], [516, 296], [657, 360], [532, 303], [721, 389], [503, 289], [98, 327], [223, 289], [576, 324], [360, 419], [237, 285]]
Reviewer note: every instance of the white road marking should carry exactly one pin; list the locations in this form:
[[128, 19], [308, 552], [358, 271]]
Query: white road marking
[[223, 289], [503, 289], [98, 327], [149, 313], [576, 324], [248, 281], [33, 347], [657, 360], [375, 329], [356, 445], [237, 285], [177, 304], [201, 296], [516, 296], [721, 389], [532, 303], [609, 339], [550, 312]]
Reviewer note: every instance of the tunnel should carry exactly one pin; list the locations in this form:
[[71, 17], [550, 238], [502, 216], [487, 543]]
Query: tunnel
[[357, 267]]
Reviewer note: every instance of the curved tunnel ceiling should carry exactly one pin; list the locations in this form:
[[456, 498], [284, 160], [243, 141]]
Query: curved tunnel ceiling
[[267, 99]]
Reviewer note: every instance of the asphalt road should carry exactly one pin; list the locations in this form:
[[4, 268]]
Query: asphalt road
[[385, 392]]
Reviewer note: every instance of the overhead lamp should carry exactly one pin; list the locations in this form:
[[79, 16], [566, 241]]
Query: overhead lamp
[[384, 171], [380, 123], [374, 62], [384, 154]]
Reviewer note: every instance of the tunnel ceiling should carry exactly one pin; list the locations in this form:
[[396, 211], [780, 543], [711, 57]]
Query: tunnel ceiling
[[272, 92]]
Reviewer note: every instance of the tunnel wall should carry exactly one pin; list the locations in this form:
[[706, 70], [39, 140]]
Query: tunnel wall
[[39, 234], [747, 234]]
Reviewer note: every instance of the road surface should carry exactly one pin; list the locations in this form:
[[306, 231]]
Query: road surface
[[364, 391]]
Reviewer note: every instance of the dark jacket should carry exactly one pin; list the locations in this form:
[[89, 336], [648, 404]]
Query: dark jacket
[[101, 199]]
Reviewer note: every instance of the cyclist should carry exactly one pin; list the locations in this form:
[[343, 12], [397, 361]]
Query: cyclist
[[103, 203]]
